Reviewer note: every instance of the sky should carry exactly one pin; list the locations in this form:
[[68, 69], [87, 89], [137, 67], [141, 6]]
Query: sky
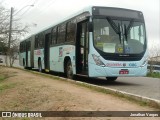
[[48, 12]]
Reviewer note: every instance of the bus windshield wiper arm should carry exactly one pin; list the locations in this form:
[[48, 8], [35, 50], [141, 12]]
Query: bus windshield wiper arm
[[115, 27], [125, 32], [126, 29], [129, 26]]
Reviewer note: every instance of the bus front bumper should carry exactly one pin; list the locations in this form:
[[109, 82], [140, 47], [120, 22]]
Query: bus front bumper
[[99, 71]]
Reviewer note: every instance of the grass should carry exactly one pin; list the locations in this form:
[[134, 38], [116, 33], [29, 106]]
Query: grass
[[6, 86], [154, 75], [98, 89], [103, 90], [2, 77]]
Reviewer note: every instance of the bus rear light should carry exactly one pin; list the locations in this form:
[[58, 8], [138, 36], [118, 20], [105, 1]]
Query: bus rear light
[[97, 60]]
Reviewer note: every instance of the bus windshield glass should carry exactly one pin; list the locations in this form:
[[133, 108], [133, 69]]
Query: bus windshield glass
[[121, 36]]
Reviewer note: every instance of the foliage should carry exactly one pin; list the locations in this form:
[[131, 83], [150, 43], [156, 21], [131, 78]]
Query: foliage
[[154, 75], [18, 30]]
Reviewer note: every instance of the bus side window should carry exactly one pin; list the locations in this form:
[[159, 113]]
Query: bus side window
[[61, 33], [40, 41], [36, 42], [54, 36], [71, 28]]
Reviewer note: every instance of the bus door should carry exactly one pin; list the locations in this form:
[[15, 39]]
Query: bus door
[[27, 46], [46, 51], [82, 48], [28, 49]]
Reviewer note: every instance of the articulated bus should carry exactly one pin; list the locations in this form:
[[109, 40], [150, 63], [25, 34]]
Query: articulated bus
[[96, 42]]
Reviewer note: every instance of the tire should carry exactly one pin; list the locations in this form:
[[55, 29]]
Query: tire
[[39, 66], [111, 78], [69, 70]]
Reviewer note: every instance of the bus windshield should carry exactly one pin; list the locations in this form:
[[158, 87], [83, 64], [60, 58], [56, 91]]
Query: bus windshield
[[113, 35]]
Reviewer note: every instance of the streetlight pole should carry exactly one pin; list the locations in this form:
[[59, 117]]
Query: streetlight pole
[[9, 40], [10, 29], [10, 32]]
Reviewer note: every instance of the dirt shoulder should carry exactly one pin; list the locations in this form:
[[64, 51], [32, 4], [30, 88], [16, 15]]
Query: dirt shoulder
[[25, 91]]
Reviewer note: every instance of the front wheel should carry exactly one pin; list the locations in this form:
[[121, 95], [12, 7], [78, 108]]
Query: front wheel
[[69, 70], [111, 78]]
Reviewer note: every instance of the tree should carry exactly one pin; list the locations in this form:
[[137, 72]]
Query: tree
[[10, 47], [154, 54]]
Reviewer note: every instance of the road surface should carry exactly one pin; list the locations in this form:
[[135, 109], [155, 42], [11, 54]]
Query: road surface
[[143, 86]]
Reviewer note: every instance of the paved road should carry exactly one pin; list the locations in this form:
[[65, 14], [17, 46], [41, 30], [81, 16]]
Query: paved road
[[143, 86]]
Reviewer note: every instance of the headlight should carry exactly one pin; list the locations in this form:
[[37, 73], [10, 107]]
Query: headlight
[[97, 60]]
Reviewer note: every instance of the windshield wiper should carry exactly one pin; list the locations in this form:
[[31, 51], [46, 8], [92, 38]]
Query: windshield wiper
[[115, 27], [126, 29], [129, 26], [126, 32]]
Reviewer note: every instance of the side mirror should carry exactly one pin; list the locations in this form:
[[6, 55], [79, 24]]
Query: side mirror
[[90, 27]]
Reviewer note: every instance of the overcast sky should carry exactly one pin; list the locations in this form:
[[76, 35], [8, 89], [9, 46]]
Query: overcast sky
[[48, 12]]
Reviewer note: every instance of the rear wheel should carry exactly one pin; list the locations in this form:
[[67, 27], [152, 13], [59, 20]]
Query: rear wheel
[[69, 70], [111, 78]]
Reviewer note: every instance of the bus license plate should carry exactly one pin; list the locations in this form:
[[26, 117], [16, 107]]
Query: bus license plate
[[123, 72]]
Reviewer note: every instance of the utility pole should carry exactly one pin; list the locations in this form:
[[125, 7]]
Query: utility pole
[[10, 29], [10, 36]]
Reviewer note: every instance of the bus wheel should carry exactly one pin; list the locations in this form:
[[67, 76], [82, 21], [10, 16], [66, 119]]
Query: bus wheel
[[69, 70], [111, 78], [39, 66]]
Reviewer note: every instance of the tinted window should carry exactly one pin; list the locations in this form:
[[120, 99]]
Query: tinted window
[[28, 45], [22, 46], [39, 41], [61, 33], [54, 36], [71, 28], [36, 41]]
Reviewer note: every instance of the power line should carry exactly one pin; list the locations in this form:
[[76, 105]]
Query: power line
[[29, 7], [24, 3], [44, 9], [23, 8]]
